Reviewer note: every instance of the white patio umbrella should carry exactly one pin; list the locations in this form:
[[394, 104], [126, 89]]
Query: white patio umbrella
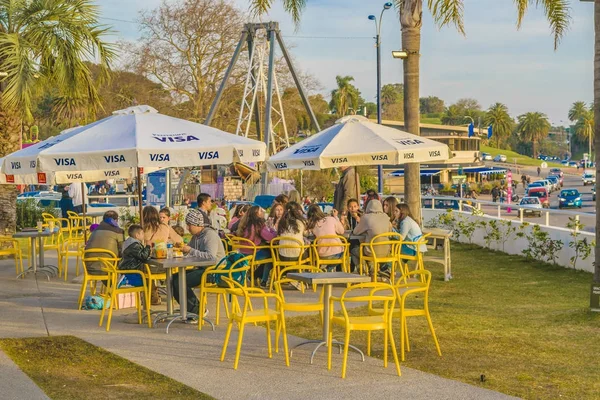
[[353, 141], [140, 137]]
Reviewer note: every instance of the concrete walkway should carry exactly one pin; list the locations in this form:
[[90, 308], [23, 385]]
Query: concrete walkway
[[36, 307]]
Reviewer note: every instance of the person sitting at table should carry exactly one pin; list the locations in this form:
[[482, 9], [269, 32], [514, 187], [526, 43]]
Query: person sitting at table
[[371, 195], [350, 219], [275, 215], [389, 207], [409, 229], [253, 227], [155, 231], [323, 225], [164, 215], [108, 236], [291, 225], [205, 245], [135, 255], [372, 223], [240, 211]]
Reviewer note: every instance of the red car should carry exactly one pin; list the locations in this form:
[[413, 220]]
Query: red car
[[540, 193]]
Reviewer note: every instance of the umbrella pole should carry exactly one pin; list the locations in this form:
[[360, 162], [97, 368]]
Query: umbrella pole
[[357, 185], [139, 184], [83, 189]]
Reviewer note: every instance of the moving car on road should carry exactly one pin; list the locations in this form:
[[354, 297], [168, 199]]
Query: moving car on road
[[557, 171], [542, 194], [486, 157], [556, 184], [572, 164], [533, 204], [588, 179], [569, 198], [500, 158]]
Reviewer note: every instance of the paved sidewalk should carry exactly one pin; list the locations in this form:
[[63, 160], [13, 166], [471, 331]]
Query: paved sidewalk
[[14, 384], [39, 308]]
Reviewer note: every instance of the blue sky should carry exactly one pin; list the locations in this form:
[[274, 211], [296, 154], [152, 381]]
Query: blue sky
[[494, 62]]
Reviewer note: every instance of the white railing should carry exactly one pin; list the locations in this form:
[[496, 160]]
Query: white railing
[[467, 204]]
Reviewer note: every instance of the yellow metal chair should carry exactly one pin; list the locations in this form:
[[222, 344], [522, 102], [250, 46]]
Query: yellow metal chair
[[152, 278], [367, 323], [242, 314], [391, 242], [247, 246], [412, 284], [94, 256], [290, 243], [417, 258], [63, 223], [71, 247], [77, 224], [11, 247], [206, 287], [327, 242], [112, 292]]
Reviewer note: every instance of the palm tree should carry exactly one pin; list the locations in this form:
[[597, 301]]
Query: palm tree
[[345, 97], [533, 126], [502, 123], [445, 12], [577, 110], [389, 95], [596, 107], [44, 44], [584, 128]]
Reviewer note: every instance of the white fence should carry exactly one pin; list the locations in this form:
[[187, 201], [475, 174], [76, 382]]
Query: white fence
[[512, 243]]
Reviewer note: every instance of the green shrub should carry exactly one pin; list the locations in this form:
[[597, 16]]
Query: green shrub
[[28, 213]]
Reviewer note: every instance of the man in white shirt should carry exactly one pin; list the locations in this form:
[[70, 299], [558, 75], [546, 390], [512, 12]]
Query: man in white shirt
[[77, 195]]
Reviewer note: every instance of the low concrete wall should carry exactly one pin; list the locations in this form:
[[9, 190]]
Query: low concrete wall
[[515, 244]]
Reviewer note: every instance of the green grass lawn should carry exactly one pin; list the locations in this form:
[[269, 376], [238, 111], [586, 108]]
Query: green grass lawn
[[511, 155], [524, 326], [66, 367], [433, 121]]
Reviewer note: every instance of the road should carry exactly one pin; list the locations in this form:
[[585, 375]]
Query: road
[[572, 180]]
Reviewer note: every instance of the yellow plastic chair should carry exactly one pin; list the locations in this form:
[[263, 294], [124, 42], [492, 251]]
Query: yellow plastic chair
[[91, 256], [247, 246], [414, 283], [364, 322], [206, 287], [152, 278], [112, 291], [329, 241], [71, 247], [11, 247], [291, 243], [242, 314], [54, 243], [389, 240], [403, 259]]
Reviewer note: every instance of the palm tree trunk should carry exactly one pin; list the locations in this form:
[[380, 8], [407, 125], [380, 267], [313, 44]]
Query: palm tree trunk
[[10, 132], [597, 130], [534, 148], [410, 20]]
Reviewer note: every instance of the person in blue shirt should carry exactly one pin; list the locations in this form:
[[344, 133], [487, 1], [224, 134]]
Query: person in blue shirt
[[409, 229]]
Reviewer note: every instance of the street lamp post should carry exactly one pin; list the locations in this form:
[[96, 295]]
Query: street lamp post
[[386, 6]]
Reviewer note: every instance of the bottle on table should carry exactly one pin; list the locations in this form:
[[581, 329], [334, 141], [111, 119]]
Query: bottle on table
[[169, 250]]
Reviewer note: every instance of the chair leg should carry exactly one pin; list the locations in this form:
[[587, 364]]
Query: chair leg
[[218, 309], [227, 336], [270, 350], [103, 311], [385, 348], [138, 306], [285, 342], [82, 293], [435, 340], [394, 352], [345, 357], [402, 337], [406, 335], [239, 345], [113, 305], [368, 343], [329, 345]]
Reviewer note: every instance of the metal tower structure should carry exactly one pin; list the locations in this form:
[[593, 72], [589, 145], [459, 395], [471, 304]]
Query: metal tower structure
[[258, 102]]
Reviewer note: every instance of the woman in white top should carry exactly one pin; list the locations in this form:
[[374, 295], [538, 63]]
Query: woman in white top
[[292, 225], [408, 228]]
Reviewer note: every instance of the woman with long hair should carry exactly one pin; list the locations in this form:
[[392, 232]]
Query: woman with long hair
[[292, 224], [409, 229], [324, 225], [165, 215], [252, 226], [389, 207], [275, 215], [155, 230], [294, 196], [240, 211]]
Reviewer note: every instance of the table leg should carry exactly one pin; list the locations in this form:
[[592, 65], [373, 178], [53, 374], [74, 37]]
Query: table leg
[[33, 255], [448, 260], [323, 341], [169, 291]]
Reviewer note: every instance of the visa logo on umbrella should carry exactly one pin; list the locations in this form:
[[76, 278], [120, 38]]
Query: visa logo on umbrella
[[280, 165], [159, 157], [112, 173], [115, 159], [64, 162], [170, 137], [15, 164], [307, 149], [208, 155], [74, 176]]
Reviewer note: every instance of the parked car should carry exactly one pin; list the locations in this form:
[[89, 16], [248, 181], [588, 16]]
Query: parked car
[[557, 171], [536, 184], [594, 193], [500, 158], [572, 164], [569, 198], [486, 157], [565, 163], [588, 179], [542, 194], [533, 204]]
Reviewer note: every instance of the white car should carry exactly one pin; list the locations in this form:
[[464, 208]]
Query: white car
[[500, 158], [532, 205], [588, 179], [486, 157]]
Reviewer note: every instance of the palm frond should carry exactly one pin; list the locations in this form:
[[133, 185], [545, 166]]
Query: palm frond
[[260, 7], [446, 12], [294, 8], [558, 15], [522, 6]]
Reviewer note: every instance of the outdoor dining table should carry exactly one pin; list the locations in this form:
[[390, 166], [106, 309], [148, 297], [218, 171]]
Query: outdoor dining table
[[93, 214], [36, 236], [179, 263], [446, 260], [327, 279]]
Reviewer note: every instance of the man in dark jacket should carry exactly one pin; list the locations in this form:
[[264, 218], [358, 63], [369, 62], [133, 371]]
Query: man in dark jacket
[[135, 254], [345, 189], [107, 236]]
